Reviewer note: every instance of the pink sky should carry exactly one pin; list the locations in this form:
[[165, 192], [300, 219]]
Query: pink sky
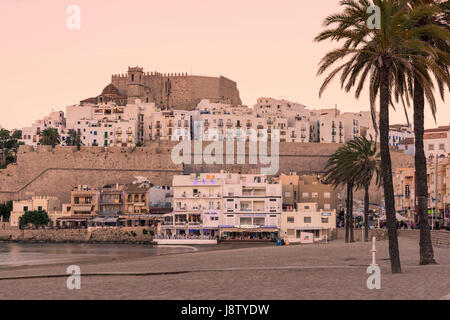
[[265, 46]]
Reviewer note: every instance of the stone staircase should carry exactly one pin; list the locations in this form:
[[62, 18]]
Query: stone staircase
[[439, 238]]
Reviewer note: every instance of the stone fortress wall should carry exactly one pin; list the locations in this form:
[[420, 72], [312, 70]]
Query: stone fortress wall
[[46, 172], [186, 91]]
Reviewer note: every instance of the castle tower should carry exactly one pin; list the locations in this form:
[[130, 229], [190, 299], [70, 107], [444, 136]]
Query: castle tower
[[135, 84]]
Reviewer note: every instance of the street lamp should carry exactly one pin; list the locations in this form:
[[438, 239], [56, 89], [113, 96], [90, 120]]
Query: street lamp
[[436, 200]]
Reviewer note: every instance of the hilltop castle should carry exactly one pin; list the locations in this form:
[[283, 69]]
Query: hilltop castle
[[175, 91]]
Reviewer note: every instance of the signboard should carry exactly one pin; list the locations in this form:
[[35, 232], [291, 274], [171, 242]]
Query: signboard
[[306, 237], [326, 214]]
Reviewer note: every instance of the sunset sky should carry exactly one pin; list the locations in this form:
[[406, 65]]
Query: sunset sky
[[265, 46]]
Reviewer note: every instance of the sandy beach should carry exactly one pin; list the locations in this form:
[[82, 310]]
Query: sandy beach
[[323, 271]]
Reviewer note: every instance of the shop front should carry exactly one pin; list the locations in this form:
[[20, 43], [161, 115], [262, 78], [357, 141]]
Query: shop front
[[249, 233]]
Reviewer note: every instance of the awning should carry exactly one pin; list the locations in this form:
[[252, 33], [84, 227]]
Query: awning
[[100, 220], [248, 229], [73, 219], [82, 208], [111, 220], [309, 228]]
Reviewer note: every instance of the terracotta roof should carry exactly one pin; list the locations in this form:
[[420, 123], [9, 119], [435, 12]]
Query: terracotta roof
[[439, 129]]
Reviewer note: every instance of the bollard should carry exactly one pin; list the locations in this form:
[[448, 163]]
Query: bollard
[[373, 251]]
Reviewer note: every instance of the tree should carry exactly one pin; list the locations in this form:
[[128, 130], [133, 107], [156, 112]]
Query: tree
[[338, 171], [50, 137], [36, 218], [366, 165], [436, 19], [5, 210], [384, 54], [74, 139], [4, 136]]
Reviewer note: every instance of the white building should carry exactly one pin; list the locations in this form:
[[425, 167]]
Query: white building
[[307, 218], [234, 206], [167, 125], [104, 133], [31, 135], [327, 127], [437, 141]]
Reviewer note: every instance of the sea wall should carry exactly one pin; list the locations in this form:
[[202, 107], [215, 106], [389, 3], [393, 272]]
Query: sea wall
[[98, 235]]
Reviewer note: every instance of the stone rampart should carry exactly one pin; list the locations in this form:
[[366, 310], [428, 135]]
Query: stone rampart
[[42, 171]]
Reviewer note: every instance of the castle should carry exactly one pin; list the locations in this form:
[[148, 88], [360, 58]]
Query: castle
[[171, 91]]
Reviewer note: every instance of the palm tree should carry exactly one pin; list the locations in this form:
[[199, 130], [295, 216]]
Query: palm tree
[[74, 139], [4, 136], [423, 87], [385, 55], [366, 165], [338, 171], [50, 137]]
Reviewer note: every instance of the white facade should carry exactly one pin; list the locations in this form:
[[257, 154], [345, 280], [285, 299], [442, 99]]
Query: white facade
[[104, 133], [437, 142], [31, 135], [209, 204], [307, 218]]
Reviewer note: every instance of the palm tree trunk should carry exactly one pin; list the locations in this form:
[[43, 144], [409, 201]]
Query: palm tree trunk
[[426, 247], [366, 213], [386, 169], [352, 237]]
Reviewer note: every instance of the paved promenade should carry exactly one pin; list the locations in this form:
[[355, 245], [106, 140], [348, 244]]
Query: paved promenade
[[324, 271]]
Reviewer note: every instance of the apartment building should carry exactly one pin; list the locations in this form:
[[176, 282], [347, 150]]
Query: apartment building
[[197, 205], [51, 205], [31, 135], [307, 218], [251, 208], [168, 125], [307, 189], [107, 133], [232, 206], [404, 192], [83, 207], [327, 127], [437, 141]]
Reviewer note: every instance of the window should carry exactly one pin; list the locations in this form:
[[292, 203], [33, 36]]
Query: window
[[442, 147], [290, 219], [305, 195], [324, 220], [39, 208], [326, 195], [326, 206], [307, 219], [287, 194], [314, 195], [25, 209], [430, 147]]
